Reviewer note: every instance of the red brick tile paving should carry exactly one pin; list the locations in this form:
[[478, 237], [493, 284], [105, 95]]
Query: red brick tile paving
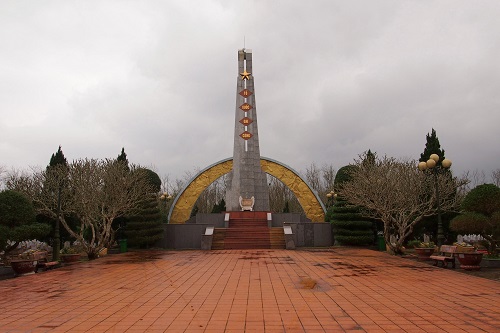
[[336, 290]]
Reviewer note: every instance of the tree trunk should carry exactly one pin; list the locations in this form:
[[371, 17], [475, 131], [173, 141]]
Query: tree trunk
[[93, 254], [10, 248]]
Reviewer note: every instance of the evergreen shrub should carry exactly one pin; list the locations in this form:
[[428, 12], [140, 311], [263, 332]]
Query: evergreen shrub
[[349, 227], [354, 240], [145, 228]]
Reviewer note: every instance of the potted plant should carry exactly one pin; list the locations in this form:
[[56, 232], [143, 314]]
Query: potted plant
[[25, 263], [463, 247], [22, 266], [424, 250], [70, 254], [467, 256]]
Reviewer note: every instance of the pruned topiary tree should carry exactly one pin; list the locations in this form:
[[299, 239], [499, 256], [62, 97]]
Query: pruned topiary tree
[[481, 215], [17, 221], [349, 226], [152, 178], [145, 228]]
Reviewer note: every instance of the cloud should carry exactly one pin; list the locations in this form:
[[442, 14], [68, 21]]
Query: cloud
[[333, 79]]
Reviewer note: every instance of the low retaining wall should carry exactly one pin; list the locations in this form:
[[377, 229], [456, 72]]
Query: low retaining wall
[[189, 234], [310, 234], [182, 236]]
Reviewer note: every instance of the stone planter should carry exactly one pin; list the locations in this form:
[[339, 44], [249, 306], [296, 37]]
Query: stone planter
[[424, 253], [470, 261], [69, 258], [23, 267]]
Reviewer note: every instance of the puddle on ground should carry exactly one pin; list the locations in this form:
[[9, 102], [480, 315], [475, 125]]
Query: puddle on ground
[[134, 258], [308, 283]]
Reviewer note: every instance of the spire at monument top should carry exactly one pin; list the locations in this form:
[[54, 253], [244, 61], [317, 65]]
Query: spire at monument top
[[246, 180]]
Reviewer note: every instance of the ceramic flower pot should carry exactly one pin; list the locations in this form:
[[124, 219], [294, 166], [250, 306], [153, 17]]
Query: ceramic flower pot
[[22, 267], [470, 261], [424, 253], [68, 258]]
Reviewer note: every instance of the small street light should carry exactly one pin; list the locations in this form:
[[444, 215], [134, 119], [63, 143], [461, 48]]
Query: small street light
[[165, 196], [331, 196], [433, 166]]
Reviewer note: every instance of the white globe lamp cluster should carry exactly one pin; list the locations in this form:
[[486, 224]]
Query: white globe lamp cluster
[[432, 162]]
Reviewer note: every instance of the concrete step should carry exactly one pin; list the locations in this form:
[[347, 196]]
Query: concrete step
[[248, 230], [218, 239], [277, 238]]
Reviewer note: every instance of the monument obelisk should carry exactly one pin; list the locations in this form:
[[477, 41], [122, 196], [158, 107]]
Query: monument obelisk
[[246, 180]]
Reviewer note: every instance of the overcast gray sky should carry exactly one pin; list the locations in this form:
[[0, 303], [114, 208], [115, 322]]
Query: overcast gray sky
[[333, 79]]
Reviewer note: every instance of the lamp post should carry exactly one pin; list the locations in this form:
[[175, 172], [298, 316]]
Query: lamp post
[[330, 198], [433, 166], [165, 196]]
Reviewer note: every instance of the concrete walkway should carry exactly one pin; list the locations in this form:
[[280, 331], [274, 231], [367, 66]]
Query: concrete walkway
[[339, 290]]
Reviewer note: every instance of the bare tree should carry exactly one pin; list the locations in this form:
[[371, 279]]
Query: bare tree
[[397, 193], [95, 191], [165, 184], [478, 178], [313, 177], [495, 176], [328, 177], [3, 173], [280, 196], [321, 179], [168, 193], [212, 195]]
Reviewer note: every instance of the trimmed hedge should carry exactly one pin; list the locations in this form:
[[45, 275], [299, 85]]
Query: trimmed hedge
[[352, 224], [354, 232], [349, 226], [354, 240], [145, 228], [347, 217]]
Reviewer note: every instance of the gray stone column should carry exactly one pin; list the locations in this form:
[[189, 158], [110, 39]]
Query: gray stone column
[[247, 178]]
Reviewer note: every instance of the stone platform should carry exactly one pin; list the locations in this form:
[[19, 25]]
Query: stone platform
[[329, 290]]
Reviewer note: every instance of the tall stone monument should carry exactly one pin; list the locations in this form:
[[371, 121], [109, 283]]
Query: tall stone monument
[[246, 181]]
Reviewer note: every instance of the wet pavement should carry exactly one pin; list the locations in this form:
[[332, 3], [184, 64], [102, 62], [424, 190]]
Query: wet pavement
[[336, 290]]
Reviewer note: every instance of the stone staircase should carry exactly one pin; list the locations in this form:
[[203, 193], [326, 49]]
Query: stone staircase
[[277, 238], [218, 238], [248, 230]]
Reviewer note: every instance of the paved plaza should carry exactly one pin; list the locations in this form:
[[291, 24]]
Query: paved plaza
[[335, 290]]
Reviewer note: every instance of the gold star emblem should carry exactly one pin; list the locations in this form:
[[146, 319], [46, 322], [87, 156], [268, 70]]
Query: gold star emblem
[[245, 75]]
